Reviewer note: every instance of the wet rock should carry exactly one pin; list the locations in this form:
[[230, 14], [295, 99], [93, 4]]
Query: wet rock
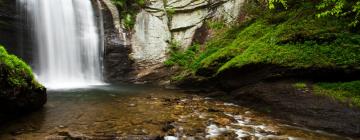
[[55, 137], [223, 121], [136, 121], [61, 126], [70, 135], [271, 137], [18, 132], [249, 138], [216, 94], [213, 110], [140, 137], [168, 126]]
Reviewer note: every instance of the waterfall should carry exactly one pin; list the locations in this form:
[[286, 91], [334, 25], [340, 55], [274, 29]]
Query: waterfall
[[68, 42]]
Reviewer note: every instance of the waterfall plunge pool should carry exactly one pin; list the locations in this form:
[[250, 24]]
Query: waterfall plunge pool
[[121, 111]]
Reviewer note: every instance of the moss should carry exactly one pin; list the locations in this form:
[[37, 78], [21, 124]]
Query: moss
[[300, 86], [296, 39], [19, 74], [347, 92]]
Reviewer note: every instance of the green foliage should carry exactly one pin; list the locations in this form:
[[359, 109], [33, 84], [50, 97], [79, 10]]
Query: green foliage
[[128, 10], [348, 92], [300, 86], [216, 25], [181, 58], [170, 12], [19, 74], [273, 2], [295, 38], [338, 8]]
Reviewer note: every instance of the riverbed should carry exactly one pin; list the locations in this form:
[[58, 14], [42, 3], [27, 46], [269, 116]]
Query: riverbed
[[122, 111]]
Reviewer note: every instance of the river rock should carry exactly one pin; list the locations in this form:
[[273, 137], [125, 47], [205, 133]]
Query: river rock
[[223, 121]]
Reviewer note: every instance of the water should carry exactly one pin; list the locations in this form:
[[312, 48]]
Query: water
[[68, 42], [127, 111]]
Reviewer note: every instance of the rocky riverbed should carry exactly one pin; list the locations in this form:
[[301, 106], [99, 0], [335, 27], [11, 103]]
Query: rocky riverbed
[[141, 112]]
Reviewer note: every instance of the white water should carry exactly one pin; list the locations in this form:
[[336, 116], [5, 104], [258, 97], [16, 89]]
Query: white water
[[68, 41]]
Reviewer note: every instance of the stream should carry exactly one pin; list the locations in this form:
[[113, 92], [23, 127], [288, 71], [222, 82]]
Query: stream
[[122, 111]]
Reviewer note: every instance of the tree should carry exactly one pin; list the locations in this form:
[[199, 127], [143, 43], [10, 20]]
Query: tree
[[338, 8]]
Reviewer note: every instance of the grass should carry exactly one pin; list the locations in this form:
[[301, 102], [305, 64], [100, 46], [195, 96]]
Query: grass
[[18, 73], [300, 86], [347, 92]]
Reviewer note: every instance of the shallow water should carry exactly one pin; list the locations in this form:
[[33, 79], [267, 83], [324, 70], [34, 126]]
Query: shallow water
[[137, 111]]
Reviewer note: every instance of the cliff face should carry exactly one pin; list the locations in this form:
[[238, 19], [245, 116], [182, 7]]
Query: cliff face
[[158, 25], [8, 22]]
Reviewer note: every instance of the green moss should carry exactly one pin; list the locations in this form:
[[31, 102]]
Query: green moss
[[348, 92], [296, 39], [300, 86], [19, 74]]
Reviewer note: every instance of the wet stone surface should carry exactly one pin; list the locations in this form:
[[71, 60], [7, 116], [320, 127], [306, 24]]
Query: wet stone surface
[[138, 112]]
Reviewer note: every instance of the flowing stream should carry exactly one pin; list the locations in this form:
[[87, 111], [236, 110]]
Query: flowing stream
[[68, 42], [122, 112]]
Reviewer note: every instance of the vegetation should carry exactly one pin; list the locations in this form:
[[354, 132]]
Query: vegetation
[[347, 92], [295, 38], [128, 10], [15, 71], [338, 8], [300, 86]]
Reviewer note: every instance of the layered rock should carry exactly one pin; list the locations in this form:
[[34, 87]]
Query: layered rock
[[179, 21], [158, 24], [133, 54]]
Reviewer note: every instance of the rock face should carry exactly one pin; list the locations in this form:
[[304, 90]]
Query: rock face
[[150, 40], [117, 63], [158, 24], [8, 23], [175, 21]]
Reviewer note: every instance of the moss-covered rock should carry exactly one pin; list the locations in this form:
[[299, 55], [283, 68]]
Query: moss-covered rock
[[19, 91]]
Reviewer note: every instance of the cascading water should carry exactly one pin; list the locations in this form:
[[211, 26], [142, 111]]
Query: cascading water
[[67, 40]]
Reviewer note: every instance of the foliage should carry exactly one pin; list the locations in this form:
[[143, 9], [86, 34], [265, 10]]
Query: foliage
[[338, 8], [216, 25], [18, 72], [295, 38], [348, 92], [273, 2], [170, 12], [128, 9], [177, 57], [300, 86]]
